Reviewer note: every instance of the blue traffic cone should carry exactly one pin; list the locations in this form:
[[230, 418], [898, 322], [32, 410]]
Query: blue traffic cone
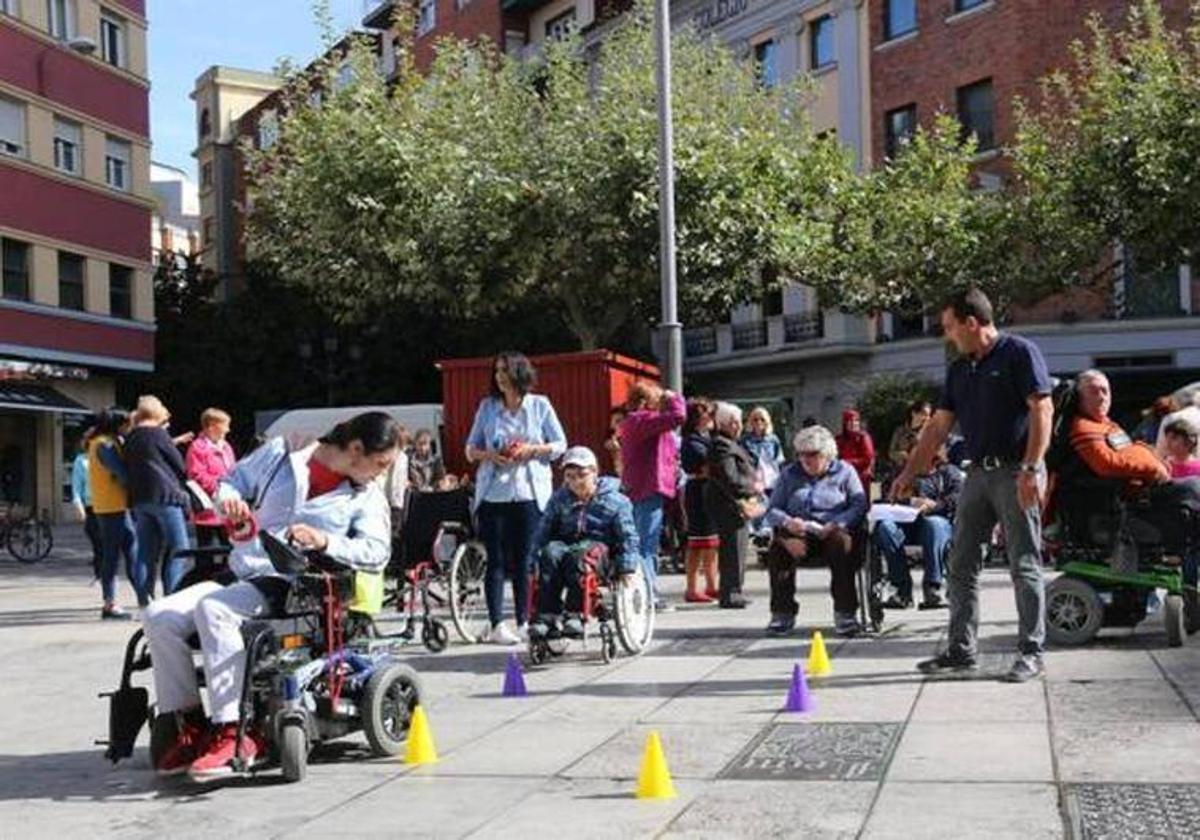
[[514, 678], [798, 699]]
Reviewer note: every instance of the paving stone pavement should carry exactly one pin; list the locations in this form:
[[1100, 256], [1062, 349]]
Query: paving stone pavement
[[1108, 746]]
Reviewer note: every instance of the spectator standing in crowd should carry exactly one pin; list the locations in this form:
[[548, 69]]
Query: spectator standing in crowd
[[731, 498], [998, 391], [816, 511], [1188, 413], [856, 448], [425, 467], [395, 483], [906, 434], [157, 492], [209, 459], [1182, 443], [514, 438], [702, 541], [650, 465], [612, 443], [760, 441], [81, 499], [108, 484], [936, 496], [1152, 418]]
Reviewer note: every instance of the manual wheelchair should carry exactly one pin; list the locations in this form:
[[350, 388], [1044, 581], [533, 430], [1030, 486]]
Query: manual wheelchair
[[620, 610], [315, 673]]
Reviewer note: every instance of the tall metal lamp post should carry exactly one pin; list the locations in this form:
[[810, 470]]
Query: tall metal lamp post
[[670, 328]]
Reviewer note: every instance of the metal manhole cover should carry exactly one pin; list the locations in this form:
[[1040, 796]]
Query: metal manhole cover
[[847, 752], [1147, 812], [701, 647]]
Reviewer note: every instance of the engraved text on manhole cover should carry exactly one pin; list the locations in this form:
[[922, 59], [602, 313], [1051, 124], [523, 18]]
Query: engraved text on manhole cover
[[850, 752], [1149, 812]]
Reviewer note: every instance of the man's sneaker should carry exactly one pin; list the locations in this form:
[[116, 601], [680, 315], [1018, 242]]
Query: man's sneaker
[[781, 623], [190, 742], [897, 602], [846, 625], [1025, 667], [948, 662], [573, 627], [539, 628], [932, 599], [217, 759], [501, 634], [114, 613], [735, 601]]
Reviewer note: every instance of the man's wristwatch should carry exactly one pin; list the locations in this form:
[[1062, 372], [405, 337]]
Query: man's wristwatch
[[1030, 468]]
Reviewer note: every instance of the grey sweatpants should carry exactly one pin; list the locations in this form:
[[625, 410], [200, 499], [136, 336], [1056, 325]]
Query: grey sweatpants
[[988, 497]]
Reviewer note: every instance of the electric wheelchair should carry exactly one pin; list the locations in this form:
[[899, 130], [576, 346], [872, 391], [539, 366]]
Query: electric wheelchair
[[315, 673]]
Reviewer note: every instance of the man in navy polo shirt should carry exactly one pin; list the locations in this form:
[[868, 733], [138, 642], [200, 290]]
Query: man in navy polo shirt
[[998, 391]]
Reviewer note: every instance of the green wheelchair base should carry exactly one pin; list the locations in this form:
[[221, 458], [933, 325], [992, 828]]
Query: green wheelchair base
[[1152, 577]]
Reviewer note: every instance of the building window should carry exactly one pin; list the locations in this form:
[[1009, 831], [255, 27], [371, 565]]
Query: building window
[[206, 175], [15, 258], [117, 154], [900, 18], [112, 38], [976, 113], [268, 130], [60, 14], [120, 291], [67, 138], [900, 125], [766, 64], [8, 7], [70, 280], [821, 42], [344, 78], [426, 16], [965, 5], [560, 28], [207, 232], [12, 127], [205, 123]]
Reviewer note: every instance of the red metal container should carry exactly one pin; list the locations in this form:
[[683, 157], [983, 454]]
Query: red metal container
[[583, 387]]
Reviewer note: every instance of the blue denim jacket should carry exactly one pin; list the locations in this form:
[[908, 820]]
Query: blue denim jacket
[[607, 518], [837, 496], [356, 519], [541, 426]]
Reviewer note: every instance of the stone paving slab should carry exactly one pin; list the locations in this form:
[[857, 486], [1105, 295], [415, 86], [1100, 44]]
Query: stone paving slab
[[912, 811], [770, 810], [1131, 751], [694, 751], [522, 749], [973, 752], [1113, 701], [978, 701]]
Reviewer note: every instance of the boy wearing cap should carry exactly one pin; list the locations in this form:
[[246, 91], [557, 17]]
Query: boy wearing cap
[[587, 517]]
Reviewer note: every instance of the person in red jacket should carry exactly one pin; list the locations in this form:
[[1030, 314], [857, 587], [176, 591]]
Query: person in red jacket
[[856, 448], [209, 459]]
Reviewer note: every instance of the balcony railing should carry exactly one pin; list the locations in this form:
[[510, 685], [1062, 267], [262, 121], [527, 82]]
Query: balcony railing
[[807, 326], [748, 336], [701, 341]]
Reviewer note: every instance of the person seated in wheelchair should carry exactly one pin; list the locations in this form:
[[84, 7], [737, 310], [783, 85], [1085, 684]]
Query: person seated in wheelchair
[[322, 498], [588, 520], [1161, 509], [935, 500], [816, 511]]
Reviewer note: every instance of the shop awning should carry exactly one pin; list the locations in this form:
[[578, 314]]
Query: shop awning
[[24, 397]]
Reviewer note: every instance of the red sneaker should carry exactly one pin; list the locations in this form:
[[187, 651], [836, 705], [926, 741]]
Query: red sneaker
[[217, 759], [698, 598], [189, 743], [713, 594]]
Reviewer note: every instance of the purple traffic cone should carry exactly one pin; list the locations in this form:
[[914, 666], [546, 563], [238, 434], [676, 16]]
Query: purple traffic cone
[[514, 678], [798, 699]]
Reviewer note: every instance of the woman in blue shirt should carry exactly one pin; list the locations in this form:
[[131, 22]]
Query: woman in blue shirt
[[515, 437]]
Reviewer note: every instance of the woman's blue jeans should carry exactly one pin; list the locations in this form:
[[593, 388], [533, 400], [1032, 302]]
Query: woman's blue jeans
[[648, 519], [159, 528], [117, 538], [506, 529]]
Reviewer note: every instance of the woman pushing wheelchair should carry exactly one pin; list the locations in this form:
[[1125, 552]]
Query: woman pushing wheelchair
[[321, 498]]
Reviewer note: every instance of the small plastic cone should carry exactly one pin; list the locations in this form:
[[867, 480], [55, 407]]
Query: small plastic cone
[[514, 678], [420, 748], [799, 699], [818, 658], [654, 779]]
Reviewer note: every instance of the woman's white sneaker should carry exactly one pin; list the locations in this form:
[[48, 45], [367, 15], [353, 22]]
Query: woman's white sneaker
[[502, 635]]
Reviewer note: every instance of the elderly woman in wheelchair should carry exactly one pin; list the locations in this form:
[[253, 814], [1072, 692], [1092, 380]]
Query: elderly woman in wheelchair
[[587, 544], [320, 500]]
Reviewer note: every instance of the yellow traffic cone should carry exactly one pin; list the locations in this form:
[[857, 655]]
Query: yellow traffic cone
[[420, 748], [654, 779], [818, 657]]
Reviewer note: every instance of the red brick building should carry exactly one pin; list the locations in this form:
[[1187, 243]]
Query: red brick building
[[76, 295]]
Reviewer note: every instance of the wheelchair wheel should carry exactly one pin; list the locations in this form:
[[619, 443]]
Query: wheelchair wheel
[[468, 607], [1074, 612], [293, 752], [30, 540], [1174, 619], [633, 609], [608, 644], [435, 636], [1191, 610], [391, 695]]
